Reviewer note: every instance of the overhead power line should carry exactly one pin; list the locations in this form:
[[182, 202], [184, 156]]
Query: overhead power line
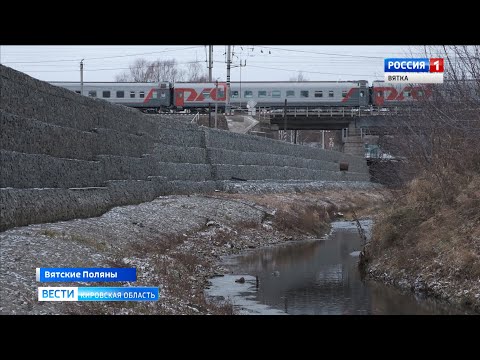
[[100, 58], [305, 71], [106, 69], [417, 53], [322, 53]]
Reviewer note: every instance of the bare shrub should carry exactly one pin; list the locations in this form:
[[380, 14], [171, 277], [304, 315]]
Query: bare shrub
[[150, 244], [310, 219], [439, 137], [49, 233]]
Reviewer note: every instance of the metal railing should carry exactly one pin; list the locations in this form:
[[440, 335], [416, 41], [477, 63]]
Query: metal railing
[[339, 111], [196, 117]]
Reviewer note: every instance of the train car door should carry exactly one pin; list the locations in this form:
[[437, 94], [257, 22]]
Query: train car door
[[179, 98]]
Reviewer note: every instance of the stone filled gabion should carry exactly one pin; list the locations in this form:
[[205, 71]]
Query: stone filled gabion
[[65, 156]]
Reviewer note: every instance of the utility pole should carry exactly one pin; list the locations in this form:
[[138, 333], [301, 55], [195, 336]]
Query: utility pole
[[81, 77], [210, 62], [285, 119], [227, 103], [210, 66], [240, 95], [240, 66], [216, 101]]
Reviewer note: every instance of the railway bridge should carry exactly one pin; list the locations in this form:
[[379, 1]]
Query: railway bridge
[[355, 122], [334, 118]]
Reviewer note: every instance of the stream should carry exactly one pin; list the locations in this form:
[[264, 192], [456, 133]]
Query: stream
[[315, 277]]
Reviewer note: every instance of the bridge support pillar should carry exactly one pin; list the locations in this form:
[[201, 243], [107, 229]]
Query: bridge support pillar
[[353, 144]]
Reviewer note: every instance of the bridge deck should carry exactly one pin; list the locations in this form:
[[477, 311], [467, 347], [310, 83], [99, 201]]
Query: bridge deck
[[339, 112]]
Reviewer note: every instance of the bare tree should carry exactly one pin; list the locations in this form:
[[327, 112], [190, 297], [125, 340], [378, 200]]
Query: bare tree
[[299, 77], [439, 134], [167, 70], [138, 72], [152, 71], [196, 73]]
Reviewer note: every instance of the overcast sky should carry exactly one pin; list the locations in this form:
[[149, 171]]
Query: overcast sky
[[263, 62]]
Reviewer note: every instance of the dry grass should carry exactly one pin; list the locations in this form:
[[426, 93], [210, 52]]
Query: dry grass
[[174, 269], [310, 213], [398, 226], [88, 241], [365, 202], [308, 219], [425, 232], [222, 237], [49, 233], [181, 264]]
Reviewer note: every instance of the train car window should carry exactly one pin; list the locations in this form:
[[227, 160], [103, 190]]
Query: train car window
[[420, 93], [248, 93], [319, 93], [330, 93], [221, 93], [206, 94], [92, 93], [234, 94], [304, 93], [142, 94], [344, 93], [262, 94], [362, 93], [154, 94], [120, 94], [407, 93], [106, 94], [132, 94], [290, 93], [380, 94], [276, 93], [163, 94]]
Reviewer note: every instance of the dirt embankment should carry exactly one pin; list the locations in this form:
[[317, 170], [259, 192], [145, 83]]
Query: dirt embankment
[[428, 240], [175, 243]]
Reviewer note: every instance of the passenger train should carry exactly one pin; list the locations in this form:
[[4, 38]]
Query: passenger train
[[165, 96]]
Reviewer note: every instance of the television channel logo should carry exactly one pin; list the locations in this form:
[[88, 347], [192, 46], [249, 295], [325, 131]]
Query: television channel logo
[[414, 70]]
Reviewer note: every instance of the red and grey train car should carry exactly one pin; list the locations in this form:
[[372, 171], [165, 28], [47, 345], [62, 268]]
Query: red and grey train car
[[138, 95], [388, 94], [269, 94]]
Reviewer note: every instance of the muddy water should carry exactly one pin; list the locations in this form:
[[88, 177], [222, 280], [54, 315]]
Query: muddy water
[[315, 277]]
